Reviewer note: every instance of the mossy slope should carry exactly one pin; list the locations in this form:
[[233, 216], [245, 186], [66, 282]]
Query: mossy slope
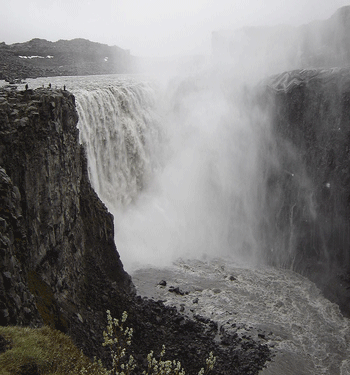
[[42, 351]]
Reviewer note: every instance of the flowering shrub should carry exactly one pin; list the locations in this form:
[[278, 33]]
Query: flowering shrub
[[50, 352], [118, 338]]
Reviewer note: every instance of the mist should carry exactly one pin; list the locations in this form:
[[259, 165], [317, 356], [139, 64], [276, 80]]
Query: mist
[[154, 28], [202, 198], [188, 177]]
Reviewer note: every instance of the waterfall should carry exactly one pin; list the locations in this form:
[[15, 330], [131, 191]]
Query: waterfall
[[198, 167], [178, 166], [120, 131], [201, 168]]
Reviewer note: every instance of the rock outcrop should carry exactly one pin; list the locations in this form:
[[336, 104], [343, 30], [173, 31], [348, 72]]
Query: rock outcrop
[[55, 227], [59, 264]]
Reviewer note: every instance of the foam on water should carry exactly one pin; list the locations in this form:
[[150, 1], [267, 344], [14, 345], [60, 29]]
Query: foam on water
[[306, 332]]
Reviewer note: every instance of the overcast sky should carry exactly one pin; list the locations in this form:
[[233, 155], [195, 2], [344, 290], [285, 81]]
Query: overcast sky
[[151, 27]]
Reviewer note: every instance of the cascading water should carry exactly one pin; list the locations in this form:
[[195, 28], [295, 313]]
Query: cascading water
[[185, 172], [120, 132], [204, 165], [183, 184]]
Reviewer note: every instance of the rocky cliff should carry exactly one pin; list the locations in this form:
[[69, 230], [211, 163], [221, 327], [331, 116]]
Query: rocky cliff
[[307, 203], [55, 229], [59, 265]]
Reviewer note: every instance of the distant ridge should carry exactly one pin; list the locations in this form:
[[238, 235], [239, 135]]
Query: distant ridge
[[42, 58]]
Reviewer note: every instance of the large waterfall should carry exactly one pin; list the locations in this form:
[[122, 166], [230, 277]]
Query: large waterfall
[[120, 131], [202, 170], [177, 166]]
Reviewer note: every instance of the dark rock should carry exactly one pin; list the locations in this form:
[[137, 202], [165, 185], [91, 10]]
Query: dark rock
[[202, 319], [176, 290], [306, 208], [4, 344], [14, 293]]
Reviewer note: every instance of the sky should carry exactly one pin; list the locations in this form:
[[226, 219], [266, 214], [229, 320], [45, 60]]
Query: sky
[[151, 28]]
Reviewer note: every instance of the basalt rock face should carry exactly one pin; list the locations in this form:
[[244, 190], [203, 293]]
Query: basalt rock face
[[56, 235], [17, 304], [307, 202], [59, 264]]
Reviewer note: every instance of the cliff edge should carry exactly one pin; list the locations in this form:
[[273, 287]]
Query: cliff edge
[[56, 233]]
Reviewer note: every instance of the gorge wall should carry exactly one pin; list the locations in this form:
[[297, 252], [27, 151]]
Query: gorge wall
[[59, 265], [56, 233], [306, 226]]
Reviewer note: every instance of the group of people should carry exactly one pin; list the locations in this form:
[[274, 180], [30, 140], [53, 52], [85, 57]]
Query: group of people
[[64, 86]]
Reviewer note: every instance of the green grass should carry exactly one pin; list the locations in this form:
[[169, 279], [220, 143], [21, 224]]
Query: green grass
[[43, 351]]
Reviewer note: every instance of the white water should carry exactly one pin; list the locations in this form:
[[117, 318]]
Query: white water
[[180, 171], [305, 331], [120, 157], [175, 169]]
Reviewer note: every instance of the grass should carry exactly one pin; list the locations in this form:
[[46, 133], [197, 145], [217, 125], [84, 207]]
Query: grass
[[43, 351]]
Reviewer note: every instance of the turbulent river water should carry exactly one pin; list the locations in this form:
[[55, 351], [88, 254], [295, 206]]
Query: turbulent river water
[[178, 166]]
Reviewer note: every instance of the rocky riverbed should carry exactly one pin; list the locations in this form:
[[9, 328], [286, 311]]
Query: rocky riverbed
[[279, 309]]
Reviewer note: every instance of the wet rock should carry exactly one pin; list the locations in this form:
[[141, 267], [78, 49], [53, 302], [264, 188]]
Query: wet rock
[[310, 224], [177, 290]]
